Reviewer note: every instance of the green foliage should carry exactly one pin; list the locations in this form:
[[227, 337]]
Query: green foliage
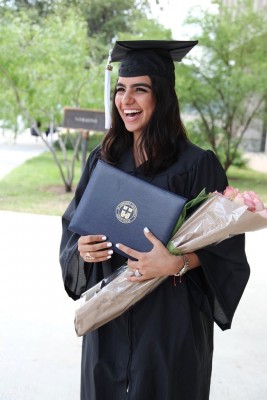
[[38, 64], [104, 18], [196, 133], [53, 55], [94, 140], [247, 179], [50, 62], [40, 7], [185, 212], [227, 83]]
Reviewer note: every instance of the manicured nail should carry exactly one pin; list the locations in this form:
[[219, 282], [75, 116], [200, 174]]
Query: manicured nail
[[104, 238], [109, 244], [146, 230], [110, 252], [108, 257], [117, 245]]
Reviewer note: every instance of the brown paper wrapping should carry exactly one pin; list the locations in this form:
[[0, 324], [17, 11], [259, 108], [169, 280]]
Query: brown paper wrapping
[[111, 301], [215, 220]]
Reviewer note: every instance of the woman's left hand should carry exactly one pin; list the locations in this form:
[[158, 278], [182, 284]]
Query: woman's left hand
[[157, 262]]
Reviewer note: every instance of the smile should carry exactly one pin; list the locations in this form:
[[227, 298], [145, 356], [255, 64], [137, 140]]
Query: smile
[[131, 113]]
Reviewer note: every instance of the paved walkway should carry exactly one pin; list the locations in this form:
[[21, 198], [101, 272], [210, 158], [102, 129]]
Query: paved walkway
[[39, 350], [13, 154], [257, 161], [240, 357]]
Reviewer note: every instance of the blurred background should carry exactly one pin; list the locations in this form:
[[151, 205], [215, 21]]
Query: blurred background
[[52, 61], [53, 56]]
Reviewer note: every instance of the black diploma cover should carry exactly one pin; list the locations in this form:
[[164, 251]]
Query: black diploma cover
[[120, 206]]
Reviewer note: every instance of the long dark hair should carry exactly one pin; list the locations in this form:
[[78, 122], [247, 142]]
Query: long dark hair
[[162, 139]]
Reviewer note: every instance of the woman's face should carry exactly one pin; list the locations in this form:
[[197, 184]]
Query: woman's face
[[135, 102]]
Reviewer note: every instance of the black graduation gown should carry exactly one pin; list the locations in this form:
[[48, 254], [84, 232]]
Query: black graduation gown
[[160, 349]]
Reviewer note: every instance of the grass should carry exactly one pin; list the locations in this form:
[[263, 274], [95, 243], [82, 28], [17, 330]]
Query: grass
[[248, 179], [36, 186]]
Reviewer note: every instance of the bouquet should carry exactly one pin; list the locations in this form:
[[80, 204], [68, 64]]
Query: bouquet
[[219, 216]]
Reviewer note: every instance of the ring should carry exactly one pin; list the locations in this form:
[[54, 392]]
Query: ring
[[88, 256], [137, 273]]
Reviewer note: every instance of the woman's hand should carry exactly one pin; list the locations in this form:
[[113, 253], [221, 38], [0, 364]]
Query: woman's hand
[[94, 248], [157, 262]]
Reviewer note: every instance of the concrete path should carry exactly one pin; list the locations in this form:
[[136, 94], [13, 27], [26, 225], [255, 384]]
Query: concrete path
[[14, 154], [240, 357], [257, 161], [39, 350]]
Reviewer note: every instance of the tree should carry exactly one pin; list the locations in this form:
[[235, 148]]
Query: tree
[[104, 18], [226, 83], [41, 7], [49, 63], [42, 73]]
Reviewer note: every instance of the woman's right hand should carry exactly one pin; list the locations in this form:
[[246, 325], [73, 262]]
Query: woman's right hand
[[94, 248]]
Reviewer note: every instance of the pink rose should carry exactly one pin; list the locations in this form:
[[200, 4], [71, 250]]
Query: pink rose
[[239, 199], [259, 206], [248, 198], [251, 200], [263, 213], [230, 192]]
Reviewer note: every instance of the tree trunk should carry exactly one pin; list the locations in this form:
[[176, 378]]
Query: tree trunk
[[264, 129], [85, 138], [68, 187]]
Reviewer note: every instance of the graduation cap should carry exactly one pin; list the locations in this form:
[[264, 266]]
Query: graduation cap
[[145, 57]]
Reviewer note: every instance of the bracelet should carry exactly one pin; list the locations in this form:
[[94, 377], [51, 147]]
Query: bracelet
[[184, 268]]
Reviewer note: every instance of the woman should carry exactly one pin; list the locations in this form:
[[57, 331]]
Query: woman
[[161, 348]]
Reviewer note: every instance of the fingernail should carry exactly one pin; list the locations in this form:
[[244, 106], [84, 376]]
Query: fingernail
[[108, 257], [117, 245], [103, 237], [146, 230], [110, 252], [109, 244]]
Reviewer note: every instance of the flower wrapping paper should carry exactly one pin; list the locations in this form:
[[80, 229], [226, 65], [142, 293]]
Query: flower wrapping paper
[[216, 219]]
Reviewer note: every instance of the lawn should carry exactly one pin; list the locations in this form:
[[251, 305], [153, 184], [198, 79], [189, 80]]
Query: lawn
[[36, 186], [248, 179]]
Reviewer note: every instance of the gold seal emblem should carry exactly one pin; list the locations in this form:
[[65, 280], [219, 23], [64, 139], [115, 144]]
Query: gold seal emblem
[[126, 212]]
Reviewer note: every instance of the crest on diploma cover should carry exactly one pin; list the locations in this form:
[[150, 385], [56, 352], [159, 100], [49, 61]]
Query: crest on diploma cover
[[126, 212]]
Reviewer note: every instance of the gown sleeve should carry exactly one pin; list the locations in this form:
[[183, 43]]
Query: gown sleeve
[[74, 269], [217, 287]]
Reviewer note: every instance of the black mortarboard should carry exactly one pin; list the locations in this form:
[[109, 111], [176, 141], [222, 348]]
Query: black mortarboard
[[147, 57]]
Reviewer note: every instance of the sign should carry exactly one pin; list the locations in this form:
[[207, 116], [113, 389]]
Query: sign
[[89, 120]]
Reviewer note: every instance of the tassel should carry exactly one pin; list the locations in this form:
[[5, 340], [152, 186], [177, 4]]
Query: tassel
[[107, 92]]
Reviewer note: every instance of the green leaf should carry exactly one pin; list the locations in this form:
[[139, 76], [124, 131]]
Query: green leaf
[[202, 196]]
